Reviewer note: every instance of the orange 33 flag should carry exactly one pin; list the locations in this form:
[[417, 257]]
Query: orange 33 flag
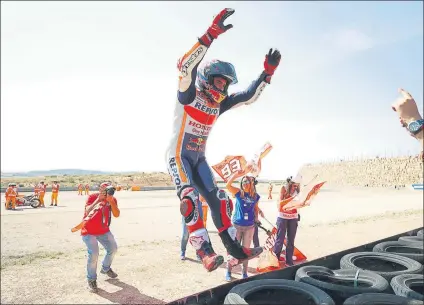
[[233, 164]]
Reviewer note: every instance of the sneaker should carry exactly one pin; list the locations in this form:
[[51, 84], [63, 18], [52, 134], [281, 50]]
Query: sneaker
[[182, 256], [237, 253], [245, 276], [209, 258], [92, 285], [110, 273], [228, 276]]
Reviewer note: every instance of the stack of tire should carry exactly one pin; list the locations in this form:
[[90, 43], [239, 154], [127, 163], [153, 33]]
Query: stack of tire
[[390, 274]]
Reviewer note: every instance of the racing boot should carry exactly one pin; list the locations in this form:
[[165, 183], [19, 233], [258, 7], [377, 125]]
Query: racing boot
[[199, 239], [236, 253]]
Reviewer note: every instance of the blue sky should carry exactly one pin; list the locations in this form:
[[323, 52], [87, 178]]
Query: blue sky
[[75, 73]]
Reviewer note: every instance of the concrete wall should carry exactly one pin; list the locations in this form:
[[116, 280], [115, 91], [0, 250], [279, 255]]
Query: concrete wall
[[379, 172]]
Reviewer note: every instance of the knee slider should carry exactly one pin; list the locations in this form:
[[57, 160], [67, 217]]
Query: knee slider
[[188, 208]]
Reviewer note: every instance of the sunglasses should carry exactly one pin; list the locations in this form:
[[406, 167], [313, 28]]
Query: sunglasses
[[246, 181]]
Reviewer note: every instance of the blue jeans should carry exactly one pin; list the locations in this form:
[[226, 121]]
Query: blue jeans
[[184, 238], [108, 242]]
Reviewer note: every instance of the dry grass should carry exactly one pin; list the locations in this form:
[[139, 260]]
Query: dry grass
[[146, 179]]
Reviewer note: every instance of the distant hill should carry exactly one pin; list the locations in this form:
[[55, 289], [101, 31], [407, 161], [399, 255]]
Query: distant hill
[[55, 172]]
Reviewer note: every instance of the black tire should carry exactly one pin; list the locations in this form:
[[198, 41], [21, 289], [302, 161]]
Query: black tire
[[413, 251], [380, 299], [35, 203], [239, 293], [350, 260], [401, 285], [420, 233], [407, 240], [324, 279]]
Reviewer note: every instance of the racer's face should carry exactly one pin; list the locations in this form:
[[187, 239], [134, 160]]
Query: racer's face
[[220, 82]]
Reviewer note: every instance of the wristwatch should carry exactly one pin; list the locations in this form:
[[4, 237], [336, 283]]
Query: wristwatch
[[415, 127]]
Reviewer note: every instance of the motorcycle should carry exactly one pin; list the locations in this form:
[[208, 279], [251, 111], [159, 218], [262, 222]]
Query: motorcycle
[[29, 200]]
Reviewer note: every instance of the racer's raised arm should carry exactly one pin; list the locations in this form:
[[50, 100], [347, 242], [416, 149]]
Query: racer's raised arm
[[251, 95], [188, 64]]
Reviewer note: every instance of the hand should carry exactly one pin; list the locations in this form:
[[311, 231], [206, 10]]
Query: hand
[[272, 60], [238, 174], [218, 27], [249, 168], [261, 213], [406, 108]]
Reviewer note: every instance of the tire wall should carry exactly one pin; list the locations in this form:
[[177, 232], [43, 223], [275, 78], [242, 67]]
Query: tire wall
[[217, 294]]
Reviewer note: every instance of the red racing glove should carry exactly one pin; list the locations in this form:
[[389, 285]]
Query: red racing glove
[[217, 27], [272, 60]]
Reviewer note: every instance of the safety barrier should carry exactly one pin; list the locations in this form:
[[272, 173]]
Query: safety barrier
[[216, 295], [157, 188], [48, 189], [418, 187]]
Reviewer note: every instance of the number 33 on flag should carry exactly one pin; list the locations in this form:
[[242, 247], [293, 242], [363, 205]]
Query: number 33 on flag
[[229, 166], [233, 164]]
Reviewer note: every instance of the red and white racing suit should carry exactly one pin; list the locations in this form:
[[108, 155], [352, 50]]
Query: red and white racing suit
[[194, 118]]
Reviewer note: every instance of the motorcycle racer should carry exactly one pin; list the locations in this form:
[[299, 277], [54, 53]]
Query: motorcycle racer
[[202, 97]]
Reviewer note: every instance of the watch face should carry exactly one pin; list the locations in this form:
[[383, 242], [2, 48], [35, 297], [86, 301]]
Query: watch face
[[414, 126]]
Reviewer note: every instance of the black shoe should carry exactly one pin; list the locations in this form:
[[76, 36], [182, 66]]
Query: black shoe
[[92, 285], [55, 205], [110, 273]]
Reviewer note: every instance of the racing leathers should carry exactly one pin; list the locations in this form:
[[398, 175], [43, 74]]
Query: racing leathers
[[194, 117]]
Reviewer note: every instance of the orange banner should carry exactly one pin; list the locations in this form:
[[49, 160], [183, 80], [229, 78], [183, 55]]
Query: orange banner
[[233, 164], [298, 256], [229, 166], [311, 195], [255, 164]]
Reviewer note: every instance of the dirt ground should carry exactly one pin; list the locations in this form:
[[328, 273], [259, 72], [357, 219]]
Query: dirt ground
[[43, 262]]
